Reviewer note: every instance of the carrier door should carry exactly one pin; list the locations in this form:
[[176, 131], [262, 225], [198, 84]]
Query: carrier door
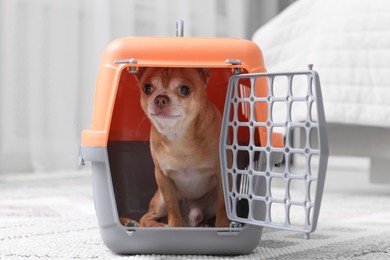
[[274, 150]]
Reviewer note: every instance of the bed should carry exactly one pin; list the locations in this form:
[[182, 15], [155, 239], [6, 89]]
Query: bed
[[349, 44]]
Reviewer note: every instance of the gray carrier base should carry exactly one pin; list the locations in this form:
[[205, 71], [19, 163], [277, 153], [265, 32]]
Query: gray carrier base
[[133, 158], [123, 178]]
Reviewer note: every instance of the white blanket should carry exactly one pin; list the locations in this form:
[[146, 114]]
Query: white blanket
[[348, 42]]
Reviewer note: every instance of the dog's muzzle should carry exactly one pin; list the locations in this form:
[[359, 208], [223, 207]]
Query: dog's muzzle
[[161, 101]]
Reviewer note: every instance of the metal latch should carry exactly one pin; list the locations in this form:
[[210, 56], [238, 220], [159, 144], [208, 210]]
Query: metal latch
[[131, 69], [81, 159], [234, 62]]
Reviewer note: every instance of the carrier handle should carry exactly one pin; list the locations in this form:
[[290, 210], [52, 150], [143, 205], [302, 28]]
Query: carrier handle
[[180, 28]]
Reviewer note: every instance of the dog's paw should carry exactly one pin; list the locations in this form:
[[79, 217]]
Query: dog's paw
[[159, 224], [153, 223]]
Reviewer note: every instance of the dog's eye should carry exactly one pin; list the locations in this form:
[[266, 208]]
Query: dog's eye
[[148, 88], [184, 90]]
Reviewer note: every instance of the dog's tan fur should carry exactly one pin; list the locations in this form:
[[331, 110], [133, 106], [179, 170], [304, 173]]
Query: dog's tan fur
[[184, 142]]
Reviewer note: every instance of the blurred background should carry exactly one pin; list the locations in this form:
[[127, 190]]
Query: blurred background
[[50, 53]]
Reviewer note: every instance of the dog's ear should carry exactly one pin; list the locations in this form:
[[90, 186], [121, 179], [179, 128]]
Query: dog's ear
[[204, 75], [139, 73]]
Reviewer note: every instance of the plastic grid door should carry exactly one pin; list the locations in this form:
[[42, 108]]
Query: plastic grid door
[[270, 183]]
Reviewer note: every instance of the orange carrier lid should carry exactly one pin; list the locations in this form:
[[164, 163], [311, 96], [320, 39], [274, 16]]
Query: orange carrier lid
[[117, 114]]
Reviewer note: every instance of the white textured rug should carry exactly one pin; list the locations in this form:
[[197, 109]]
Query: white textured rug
[[51, 216]]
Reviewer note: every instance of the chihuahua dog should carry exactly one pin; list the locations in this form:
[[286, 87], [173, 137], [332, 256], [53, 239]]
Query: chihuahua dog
[[184, 142]]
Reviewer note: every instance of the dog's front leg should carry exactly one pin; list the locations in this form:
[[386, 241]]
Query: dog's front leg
[[169, 193], [157, 210]]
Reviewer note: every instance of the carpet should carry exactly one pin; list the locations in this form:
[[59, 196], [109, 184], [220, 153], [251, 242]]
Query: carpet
[[51, 216]]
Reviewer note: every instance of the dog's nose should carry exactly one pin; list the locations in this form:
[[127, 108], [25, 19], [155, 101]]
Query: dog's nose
[[161, 101]]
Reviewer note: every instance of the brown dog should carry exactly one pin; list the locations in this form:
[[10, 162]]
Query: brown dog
[[184, 144]]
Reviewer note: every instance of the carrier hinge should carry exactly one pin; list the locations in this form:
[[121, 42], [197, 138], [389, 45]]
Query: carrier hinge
[[131, 69], [234, 62], [234, 224]]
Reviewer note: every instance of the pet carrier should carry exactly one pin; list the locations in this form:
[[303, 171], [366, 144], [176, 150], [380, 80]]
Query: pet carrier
[[273, 128]]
